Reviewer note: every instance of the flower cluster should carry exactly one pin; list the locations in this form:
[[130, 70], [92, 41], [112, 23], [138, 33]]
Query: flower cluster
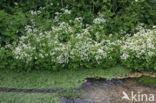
[[36, 12], [63, 43], [100, 19], [142, 44]]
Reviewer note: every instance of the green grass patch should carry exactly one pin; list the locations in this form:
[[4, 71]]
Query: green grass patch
[[28, 98], [62, 79], [147, 81]]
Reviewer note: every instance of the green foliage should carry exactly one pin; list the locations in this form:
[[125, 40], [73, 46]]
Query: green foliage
[[120, 14], [12, 26], [140, 51], [50, 25], [127, 14], [69, 46]]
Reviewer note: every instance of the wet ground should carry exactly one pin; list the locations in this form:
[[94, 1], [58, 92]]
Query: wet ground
[[104, 91], [112, 91]]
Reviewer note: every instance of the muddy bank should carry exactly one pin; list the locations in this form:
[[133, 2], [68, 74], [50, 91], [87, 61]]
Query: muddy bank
[[104, 91], [111, 91]]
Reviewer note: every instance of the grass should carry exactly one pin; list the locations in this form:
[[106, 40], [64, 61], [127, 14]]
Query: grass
[[65, 79], [28, 98], [147, 81], [62, 79]]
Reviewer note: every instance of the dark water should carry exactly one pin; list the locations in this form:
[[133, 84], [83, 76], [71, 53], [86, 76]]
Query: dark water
[[111, 91]]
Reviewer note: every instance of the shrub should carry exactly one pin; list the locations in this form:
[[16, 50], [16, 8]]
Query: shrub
[[70, 45], [73, 34], [66, 45], [139, 51], [12, 26], [120, 14]]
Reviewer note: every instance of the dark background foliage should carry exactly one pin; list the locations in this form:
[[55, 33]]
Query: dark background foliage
[[120, 14]]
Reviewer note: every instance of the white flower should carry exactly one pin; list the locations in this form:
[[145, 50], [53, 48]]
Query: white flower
[[100, 51], [124, 56], [51, 4], [154, 26], [99, 20], [15, 3]]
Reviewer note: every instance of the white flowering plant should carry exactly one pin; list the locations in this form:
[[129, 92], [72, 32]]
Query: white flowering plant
[[139, 51], [72, 44]]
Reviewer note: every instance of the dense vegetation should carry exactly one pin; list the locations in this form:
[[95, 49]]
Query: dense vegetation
[[73, 34]]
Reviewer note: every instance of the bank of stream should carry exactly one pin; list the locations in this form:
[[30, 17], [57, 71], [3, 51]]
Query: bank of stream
[[112, 91]]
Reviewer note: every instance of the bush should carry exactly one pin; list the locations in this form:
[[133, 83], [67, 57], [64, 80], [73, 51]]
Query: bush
[[53, 35], [139, 51], [64, 45], [120, 14], [70, 45], [12, 26]]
